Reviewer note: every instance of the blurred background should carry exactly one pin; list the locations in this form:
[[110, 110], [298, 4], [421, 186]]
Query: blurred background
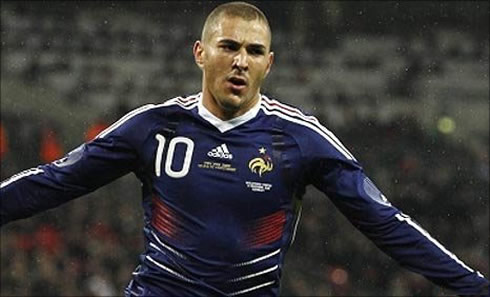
[[404, 85]]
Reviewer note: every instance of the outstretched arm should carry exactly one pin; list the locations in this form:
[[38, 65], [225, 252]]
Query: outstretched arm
[[111, 155], [393, 232], [334, 170], [80, 172]]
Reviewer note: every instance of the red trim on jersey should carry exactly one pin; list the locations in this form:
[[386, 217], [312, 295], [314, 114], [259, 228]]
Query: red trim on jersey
[[288, 110], [272, 106], [266, 229], [186, 101], [163, 218]]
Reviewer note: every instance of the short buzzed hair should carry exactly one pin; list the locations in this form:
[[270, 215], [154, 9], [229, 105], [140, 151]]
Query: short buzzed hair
[[243, 10]]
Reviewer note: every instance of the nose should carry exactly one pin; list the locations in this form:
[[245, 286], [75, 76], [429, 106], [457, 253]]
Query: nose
[[240, 60]]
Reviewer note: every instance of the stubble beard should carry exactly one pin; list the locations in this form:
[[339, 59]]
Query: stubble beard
[[229, 105]]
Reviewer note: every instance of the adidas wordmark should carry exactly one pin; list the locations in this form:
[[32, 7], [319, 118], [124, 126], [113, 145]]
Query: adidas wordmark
[[221, 152]]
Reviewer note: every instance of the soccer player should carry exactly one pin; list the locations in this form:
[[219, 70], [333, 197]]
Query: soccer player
[[222, 175]]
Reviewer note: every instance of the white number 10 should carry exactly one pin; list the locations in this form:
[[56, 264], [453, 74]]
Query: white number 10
[[170, 156]]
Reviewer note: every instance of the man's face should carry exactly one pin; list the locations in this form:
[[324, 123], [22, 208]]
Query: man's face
[[235, 58]]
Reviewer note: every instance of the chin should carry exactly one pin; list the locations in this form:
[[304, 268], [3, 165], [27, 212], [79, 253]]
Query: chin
[[232, 99], [231, 104]]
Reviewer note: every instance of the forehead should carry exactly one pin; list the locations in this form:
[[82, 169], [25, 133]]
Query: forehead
[[240, 30]]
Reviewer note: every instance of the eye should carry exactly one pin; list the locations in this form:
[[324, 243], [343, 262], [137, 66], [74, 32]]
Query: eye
[[228, 47], [256, 52]]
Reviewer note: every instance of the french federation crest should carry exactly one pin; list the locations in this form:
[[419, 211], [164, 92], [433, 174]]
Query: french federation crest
[[261, 164]]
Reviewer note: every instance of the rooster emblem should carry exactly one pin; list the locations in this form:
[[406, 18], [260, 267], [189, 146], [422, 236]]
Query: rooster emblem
[[262, 164]]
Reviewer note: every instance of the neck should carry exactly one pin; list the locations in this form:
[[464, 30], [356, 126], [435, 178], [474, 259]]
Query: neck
[[226, 113]]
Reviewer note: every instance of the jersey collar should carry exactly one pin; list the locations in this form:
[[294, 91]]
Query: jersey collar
[[224, 126]]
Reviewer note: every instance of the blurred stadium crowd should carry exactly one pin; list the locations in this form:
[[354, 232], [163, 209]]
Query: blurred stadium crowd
[[404, 86]]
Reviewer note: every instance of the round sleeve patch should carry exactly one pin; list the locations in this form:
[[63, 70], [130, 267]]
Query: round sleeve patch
[[71, 158], [372, 192]]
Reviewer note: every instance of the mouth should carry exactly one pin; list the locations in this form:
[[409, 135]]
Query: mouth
[[237, 83]]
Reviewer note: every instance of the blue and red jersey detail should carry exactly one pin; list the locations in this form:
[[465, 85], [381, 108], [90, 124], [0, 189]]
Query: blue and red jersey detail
[[222, 198]]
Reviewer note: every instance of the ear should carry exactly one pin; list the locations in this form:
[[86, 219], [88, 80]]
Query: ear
[[269, 64], [198, 51]]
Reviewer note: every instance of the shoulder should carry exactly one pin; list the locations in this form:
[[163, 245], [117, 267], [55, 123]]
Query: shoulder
[[176, 104], [181, 102], [286, 111], [312, 135], [149, 114]]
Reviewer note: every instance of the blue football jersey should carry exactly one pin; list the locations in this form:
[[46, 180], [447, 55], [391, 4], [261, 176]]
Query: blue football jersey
[[222, 199]]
